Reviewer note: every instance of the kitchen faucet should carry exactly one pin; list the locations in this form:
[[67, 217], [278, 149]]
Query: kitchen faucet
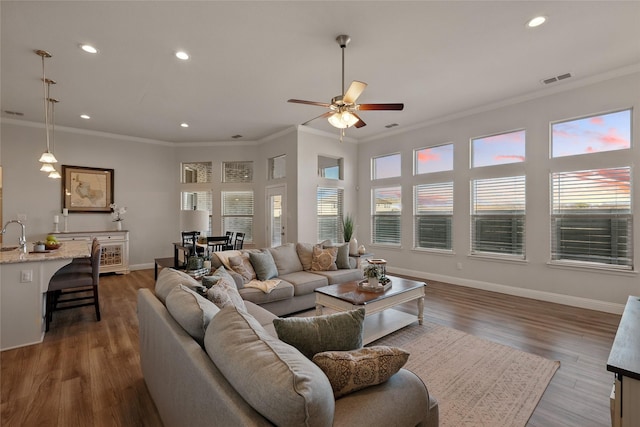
[[23, 239]]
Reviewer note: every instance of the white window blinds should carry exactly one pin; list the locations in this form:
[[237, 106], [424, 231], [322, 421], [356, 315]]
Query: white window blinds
[[329, 214], [433, 213], [237, 213], [498, 216], [386, 218], [592, 217]]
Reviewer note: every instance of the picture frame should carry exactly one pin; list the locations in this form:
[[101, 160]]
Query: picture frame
[[87, 189]]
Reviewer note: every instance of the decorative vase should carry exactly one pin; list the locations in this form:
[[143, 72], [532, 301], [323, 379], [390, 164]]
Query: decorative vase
[[353, 246], [373, 282], [118, 225], [362, 250]]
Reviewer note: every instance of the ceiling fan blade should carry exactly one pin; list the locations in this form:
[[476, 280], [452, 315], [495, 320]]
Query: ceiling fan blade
[[321, 116], [365, 107], [301, 101], [359, 123], [353, 92]]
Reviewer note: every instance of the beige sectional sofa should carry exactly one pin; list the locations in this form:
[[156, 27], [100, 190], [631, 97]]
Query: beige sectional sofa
[[256, 379], [294, 263]]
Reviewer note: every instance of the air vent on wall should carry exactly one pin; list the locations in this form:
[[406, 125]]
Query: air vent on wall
[[391, 125], [556, 78], [13, 113], [236, 136]]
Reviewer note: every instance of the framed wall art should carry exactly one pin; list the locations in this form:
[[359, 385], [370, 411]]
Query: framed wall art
[[87, 189]]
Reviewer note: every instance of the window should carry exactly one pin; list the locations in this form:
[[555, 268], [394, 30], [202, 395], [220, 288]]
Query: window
[[386, 166], [237, 172], [433, 159], [498, 216], [387, 210], [329, 209], [277, 167], [200, 200], [196, 172], [591, 216], [433, 213], [605, 132], [330, 168], [498, 149], [237, 213]]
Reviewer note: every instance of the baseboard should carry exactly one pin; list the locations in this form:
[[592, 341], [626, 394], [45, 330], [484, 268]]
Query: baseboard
[[142, 266], [569, 300]]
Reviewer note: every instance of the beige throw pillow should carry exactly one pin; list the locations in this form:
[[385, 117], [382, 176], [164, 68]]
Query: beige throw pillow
[[225, 293], [324, 259], [242, 265], [350, 371]]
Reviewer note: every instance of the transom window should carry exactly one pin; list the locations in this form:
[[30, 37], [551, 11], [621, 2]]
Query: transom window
[[277, 167], [388, 166], [498, 149], [594, 134], [237, 172], [433, 159]]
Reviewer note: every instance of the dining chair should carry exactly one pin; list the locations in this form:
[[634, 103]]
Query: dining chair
[[67, 283], [229, 235], [237, 245], [218, 243]]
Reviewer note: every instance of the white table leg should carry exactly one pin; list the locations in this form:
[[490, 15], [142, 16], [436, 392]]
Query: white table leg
[[420, 310]]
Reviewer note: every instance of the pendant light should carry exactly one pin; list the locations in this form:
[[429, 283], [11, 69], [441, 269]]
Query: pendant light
[[47, 156]]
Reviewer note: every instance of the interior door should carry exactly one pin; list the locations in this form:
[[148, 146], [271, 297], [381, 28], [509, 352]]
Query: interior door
[[277, 222]]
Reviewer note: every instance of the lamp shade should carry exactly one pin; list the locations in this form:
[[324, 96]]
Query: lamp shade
[[194, 220]]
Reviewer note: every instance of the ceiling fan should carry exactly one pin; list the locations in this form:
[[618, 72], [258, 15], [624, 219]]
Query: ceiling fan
[[343, 108]]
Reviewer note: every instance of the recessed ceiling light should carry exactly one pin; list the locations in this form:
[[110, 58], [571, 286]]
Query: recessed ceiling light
[[537, 21], [182, 55], [85, 116], [184, 125], [88, 48]]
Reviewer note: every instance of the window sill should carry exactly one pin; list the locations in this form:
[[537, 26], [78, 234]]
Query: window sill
[[577, 266], [445, 252], [499, 258]]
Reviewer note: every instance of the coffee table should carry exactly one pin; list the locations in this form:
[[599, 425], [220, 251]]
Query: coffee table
[[380, 317]]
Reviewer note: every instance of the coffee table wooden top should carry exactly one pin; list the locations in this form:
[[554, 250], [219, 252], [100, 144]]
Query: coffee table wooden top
[[350, 293]]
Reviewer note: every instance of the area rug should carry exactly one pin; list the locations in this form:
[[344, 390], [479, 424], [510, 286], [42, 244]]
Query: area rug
[[477, 382]]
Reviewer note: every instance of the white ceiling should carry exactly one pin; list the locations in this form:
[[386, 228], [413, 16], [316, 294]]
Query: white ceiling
[[440, 58]]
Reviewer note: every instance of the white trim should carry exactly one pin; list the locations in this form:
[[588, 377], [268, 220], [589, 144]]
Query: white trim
[[569, 300]]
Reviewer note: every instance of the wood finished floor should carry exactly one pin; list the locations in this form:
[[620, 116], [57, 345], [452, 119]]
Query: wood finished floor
[[87, 373]]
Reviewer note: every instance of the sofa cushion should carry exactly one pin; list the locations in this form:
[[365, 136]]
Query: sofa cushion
[[341, 276], [220, 273], [305, 252], [286, 258], [311, 335], [241, 265], [274, 378], [264, 265], [283, 291], [225, 293], [305, 282], [168, 278], [192, 311], [349, 371], [324, 259], [342, 258]]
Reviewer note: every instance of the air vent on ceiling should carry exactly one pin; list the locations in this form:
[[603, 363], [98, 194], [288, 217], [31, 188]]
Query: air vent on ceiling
[[556, 78], [13, 113], [236, 136], [391, 125]]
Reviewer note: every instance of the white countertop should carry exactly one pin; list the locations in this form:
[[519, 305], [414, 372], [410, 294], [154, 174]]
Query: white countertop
[[71, 249]]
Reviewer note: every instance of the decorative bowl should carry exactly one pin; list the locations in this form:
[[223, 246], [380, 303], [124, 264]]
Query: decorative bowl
[[52, 246]]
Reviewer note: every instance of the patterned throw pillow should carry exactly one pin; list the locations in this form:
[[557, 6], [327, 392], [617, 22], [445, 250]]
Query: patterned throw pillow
[[324, 259], [350, 371], [242, 266], [220, 273], [225, 293]]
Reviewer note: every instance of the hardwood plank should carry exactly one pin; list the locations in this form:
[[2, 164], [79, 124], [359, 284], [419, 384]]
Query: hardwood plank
[[88, 373]]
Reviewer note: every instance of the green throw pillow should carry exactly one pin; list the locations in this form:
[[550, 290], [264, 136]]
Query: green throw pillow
[[330, 332], [264, 265], [350, 371], [342, 260]]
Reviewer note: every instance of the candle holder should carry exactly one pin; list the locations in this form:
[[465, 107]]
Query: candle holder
[[55, 227], [66, 223]]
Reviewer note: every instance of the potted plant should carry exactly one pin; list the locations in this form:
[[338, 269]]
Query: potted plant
[[347, 230], [373, 273]]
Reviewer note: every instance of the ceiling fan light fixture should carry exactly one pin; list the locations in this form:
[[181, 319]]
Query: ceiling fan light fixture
[[342, 119], [48, 157], [54, 174]]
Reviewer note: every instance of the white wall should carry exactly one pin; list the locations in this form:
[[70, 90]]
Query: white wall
[[534, 278], [145, 182]]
